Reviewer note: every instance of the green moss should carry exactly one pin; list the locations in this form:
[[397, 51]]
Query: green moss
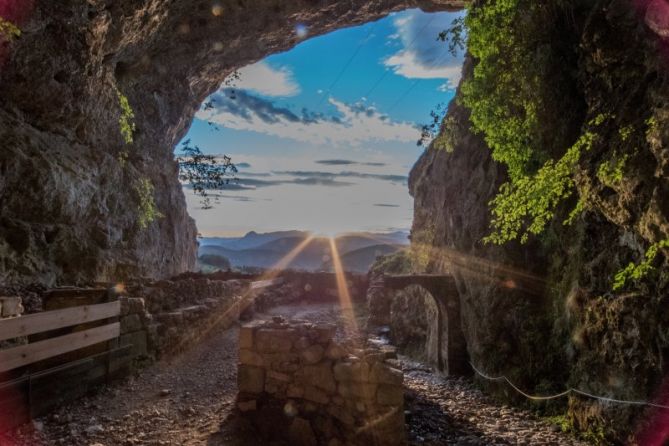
[[126, 121], [636, 272], [446, 139], [399, 262], [8, 30], [147, 209], [122, 158], [611, 172]]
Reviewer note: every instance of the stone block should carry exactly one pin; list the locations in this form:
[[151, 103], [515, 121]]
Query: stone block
[[138, 340], [325, 332], [132, 305], [246, 337], [279, 376], [249, 357], [273, 340], [250, 379], [11, 306], [342, 414], [352, 371], [302, 343], [383, 374], [172, 318], [295, 391], [357, 390], [282, 362], [312, 354], [130, 323], [389, 395], [315, 395], [320, 376], [301, 433], [335, 351]]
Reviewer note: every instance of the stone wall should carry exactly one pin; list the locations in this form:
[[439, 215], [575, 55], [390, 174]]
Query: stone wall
[[310, 287], [297, 383], [171, 315]]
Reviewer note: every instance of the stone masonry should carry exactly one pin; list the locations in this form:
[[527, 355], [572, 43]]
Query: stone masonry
[[296, 384]]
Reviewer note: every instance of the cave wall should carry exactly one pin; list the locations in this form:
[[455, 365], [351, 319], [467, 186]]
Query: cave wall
[[71, 211], [545, 314]]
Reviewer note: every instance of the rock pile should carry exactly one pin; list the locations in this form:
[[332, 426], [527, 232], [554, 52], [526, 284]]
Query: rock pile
[[10, 307], [297, 384]]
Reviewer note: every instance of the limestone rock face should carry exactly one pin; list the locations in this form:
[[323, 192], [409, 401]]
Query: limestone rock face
[[572, 329], [69, 187]]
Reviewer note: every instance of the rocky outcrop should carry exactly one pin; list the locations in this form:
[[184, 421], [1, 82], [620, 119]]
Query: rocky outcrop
[[74, 193], [545, 314]]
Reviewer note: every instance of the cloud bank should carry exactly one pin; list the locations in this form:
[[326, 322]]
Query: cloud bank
[[352, 125], [423, 56], [267, 81]]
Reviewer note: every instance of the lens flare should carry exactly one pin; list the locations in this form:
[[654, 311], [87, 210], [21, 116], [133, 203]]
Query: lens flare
[[342, 288], [235, 310], [301, 30], [217, 10]]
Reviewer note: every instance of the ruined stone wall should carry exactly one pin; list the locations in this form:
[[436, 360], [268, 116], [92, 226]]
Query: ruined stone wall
[[172, 315], [297, 383]]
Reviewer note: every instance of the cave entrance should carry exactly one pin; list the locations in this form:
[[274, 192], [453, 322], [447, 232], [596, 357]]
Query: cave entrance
[[322, 138]]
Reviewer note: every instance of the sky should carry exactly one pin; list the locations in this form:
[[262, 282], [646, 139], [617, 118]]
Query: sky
[[324, 135]]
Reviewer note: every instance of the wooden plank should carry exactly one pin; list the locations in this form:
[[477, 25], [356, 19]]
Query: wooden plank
[[51, 320], [266, 283], [27, 354]]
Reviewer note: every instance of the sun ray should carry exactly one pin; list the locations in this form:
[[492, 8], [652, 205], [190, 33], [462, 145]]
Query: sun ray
[[342, 288], [250, 295], [484, 269]]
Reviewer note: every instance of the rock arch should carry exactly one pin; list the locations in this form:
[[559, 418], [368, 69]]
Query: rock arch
[[70, 201], [450, 337]]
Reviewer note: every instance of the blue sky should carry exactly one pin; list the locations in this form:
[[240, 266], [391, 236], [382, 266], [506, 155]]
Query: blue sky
[[325, 134]]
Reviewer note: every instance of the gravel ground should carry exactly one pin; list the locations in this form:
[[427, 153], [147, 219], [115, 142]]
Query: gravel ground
[[189, 400]]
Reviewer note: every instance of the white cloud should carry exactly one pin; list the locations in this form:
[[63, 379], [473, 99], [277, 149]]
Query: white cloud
[[355, 124], [407, 64], [268, 81], [423, 56]]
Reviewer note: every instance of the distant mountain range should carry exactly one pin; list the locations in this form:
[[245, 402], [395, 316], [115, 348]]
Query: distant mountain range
[[357, 251]]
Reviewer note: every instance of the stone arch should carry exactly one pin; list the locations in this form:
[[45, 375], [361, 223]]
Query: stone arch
[[59, 120], [452, 356]]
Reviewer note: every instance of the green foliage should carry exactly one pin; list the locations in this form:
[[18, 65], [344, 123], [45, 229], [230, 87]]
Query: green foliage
[[432, 129], [562, 421], [122, 158], [148, 211], [399, 262], [503, 92], [637, 272], [446, 139], [525, 206], [651, 125], [455, 36], [610, 172], [8, 30], [204, 173], [126, 121]]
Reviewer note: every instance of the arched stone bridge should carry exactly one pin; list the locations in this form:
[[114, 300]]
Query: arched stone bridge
[[453, 359]]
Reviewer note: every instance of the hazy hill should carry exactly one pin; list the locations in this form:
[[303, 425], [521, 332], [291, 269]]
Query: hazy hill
[[360, 260], [266, 250]]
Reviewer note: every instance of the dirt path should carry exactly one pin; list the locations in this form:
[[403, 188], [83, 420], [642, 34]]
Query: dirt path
[[190, 400]]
